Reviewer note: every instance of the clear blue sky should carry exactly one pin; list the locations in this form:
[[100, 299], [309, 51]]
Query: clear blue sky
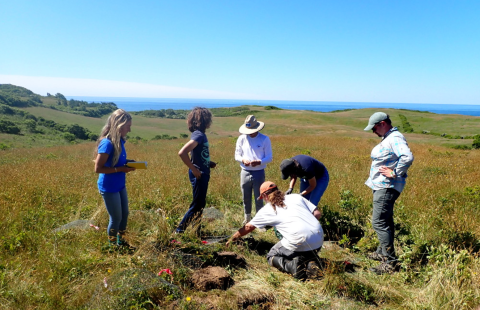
[[358, 50]]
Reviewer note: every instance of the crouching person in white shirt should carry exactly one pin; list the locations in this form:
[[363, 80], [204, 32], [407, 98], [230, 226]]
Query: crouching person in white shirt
[[297, 220]]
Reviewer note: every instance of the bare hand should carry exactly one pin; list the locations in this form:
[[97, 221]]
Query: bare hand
[[246, 162], [197, 173], [386, 172], [255, 163], [126, 169]]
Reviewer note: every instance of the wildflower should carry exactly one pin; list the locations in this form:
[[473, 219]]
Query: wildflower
[[167, 271], [109, 270], [204, 242], [175, 241], [105, 282], [188, 299], [166, 218]]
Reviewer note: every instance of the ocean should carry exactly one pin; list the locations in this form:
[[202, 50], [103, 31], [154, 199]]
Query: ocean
[[140, 104]]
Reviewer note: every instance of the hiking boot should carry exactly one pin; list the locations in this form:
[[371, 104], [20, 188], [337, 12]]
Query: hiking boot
[[313, 270], [385, 267], [377, 256], [124, 244]]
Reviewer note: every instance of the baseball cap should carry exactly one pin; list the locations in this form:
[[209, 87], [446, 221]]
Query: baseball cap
[[266, 187], [376, 117]]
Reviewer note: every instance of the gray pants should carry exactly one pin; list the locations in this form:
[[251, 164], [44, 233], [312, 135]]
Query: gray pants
[[251, 180], [382, 221], [279, 250]]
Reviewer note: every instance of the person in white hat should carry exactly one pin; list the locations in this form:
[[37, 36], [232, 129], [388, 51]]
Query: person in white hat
[[391, 159], [253, 151]]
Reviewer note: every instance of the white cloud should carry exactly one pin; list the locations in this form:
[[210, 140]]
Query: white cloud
[[105, 88]]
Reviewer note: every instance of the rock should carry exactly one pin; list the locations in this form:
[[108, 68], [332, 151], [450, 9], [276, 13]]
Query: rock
[[212, 278], [78, 224], [212, 214]]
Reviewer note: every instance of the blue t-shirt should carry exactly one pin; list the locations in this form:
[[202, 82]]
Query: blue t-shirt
[[200, 155], [111, 182], [310, 167]]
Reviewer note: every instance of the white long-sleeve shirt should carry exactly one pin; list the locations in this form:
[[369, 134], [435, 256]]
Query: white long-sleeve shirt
[[258, 148]]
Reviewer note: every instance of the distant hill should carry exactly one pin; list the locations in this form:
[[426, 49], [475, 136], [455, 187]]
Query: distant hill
[[28, 119], [16, 120]]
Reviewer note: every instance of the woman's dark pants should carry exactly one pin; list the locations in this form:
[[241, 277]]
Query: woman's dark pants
[[200, 187]]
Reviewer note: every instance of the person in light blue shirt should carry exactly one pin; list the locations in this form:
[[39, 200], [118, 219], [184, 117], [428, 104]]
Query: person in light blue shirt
[[391, 159], [110, 163]]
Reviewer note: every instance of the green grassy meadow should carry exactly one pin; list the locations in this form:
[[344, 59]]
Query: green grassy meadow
[[47, 185]]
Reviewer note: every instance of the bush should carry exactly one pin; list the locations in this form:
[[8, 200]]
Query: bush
[[69, 137], [92, 136], [9, 127], [164, 137], [405, 124], [31, 125], [4, 147], [476, 142], [271, 107]]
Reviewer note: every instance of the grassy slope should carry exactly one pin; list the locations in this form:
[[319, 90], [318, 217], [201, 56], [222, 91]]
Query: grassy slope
[[284, 122], [41, 269]]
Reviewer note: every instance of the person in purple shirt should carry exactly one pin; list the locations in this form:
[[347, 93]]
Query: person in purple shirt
[[199, 164], [313, 176], [110, 163]]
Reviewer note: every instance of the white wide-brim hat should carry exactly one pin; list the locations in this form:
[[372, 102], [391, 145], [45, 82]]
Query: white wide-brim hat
[[251, 125]]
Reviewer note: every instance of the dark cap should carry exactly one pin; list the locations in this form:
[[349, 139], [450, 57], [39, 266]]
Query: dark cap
[[287, 166]]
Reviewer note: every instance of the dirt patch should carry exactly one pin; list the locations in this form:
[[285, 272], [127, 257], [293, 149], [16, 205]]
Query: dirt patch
[[259, 246], [212, 278], [230, 259], [256, 300]]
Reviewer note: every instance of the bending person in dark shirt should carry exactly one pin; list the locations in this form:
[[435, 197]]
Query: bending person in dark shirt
[[313, 176]]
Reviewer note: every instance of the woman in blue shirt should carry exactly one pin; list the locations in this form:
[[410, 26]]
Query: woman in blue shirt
[[110, 163]]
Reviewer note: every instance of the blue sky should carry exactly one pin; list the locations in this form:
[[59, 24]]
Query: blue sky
[[359, 50]]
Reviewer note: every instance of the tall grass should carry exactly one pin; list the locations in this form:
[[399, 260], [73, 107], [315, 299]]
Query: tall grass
[[44, 188]]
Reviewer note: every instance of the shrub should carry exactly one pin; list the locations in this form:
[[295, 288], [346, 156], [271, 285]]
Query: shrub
[[69, 137], [476, 142], [271, 107], [9, 127], [405, 124], [3, 146]]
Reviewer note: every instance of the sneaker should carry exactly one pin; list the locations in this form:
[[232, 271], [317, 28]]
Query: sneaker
[[377, 256], [385, 267], [313, 270]]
